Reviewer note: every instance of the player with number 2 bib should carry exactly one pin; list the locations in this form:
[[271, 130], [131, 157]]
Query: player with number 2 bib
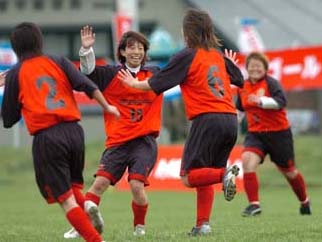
[[40, 88]]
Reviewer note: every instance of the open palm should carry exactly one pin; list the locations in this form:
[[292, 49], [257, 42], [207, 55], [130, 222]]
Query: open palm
[[230, 54], [87, 36]]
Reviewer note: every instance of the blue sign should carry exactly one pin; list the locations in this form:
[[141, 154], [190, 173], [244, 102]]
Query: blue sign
[[7, 59], [162, 44]]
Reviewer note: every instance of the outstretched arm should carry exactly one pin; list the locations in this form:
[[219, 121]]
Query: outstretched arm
[[98, 96], [126, 77], [81, 83], [235, 75]]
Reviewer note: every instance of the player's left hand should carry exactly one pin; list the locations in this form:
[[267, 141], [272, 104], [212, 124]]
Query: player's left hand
[[231, 55], [113, 110]]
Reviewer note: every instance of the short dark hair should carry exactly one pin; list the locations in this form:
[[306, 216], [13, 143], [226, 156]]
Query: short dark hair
[[257, 56], [26, 40], [198, 30], [128, 39]]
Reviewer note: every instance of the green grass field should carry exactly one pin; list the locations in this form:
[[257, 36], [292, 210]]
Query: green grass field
[[25, 216]]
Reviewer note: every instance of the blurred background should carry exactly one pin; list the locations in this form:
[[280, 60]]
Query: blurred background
[[289, 32]]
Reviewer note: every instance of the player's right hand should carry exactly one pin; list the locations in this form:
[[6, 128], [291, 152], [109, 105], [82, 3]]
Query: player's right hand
[[2, 78], [87, 36]]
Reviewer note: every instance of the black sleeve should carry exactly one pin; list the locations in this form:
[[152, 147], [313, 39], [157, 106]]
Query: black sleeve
[[276, 91], [174, 73], [238, 103], [103, 75], [153, 69], [11, 108], [235, 75], [78, 80]]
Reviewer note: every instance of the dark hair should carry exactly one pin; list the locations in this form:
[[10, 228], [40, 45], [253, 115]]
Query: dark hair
[[198, 30], [257, 56], [128, 39], [26, 40]]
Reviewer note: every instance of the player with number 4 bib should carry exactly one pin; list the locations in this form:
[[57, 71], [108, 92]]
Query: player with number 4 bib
[[204, 76], [130, 142]]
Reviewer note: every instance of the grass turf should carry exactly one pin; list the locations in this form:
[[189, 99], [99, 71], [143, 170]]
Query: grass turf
[[26, 217]]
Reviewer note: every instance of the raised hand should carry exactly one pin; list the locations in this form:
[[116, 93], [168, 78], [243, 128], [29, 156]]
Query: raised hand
[[87, 36], [230, 54]]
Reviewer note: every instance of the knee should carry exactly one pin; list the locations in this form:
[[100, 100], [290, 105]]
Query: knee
[[290, 174], [101, 184], [250, 161], [138, 192], [69, 204], [185, 181], [137, 189]]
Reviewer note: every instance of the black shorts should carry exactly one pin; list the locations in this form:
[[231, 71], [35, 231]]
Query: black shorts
[[138, 156], [279, 146], [211, 139], [58, 154]]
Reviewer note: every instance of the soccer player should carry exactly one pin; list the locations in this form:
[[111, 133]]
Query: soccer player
[[263, 101], [204, 76], [131, 141], [40, 88]]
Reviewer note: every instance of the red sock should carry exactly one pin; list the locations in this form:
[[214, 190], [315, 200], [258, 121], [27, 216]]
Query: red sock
[[251, 186], [139, 212], [205, 198], [92, 197], [299, 188], [205, 176], [79, 220], [80, 198]]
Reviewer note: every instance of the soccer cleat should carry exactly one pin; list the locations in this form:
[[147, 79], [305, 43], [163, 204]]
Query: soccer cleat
[[252, 210], [229, 183], [305, 209], [94, 214], [71, 234], [139, 230], [204, 229]]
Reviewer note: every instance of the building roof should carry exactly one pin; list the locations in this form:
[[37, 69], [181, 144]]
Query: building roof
[[282, 23]]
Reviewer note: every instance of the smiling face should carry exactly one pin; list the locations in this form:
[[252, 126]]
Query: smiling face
[[132, 49], [134, 54], [256, 70]]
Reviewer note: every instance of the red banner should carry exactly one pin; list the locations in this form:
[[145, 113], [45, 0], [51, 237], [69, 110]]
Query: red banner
[[121, 25], [165, 175], [296, 69]]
